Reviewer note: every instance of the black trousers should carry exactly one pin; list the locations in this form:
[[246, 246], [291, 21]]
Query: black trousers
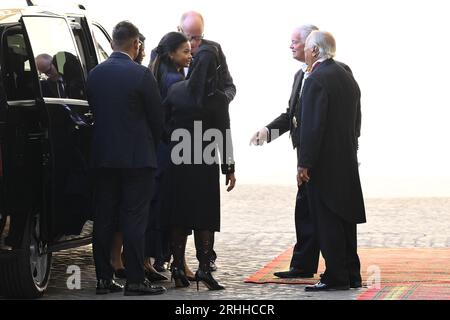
[[306, 250], [337, 241], [122, 197]]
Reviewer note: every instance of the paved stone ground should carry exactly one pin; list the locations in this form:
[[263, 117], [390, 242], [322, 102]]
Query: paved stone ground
[[257, 225]]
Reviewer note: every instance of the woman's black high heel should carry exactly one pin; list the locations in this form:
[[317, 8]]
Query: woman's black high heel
[[180, 278], [208, 280]]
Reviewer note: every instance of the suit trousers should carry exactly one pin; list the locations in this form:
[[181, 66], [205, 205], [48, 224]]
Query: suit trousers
[[337, 240], [306, 250], [122, 198]]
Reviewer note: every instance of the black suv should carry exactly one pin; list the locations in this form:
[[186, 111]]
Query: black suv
[[45, 130]]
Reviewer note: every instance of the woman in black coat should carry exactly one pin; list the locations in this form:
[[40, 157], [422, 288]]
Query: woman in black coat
[[199, 127], [172, 55]]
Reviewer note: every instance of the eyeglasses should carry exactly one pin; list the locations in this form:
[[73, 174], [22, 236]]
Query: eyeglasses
[[195, 38], [192, 38]]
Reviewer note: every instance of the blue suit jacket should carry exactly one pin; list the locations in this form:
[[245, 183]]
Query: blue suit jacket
[[128, 114]]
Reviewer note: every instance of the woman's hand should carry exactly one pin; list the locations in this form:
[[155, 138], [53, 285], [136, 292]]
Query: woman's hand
[[231, 180]]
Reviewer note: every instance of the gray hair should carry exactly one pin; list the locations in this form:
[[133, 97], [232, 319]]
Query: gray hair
[[324, 41], [305, 31]]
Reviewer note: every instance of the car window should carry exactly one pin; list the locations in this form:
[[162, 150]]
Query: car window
[[80, 41], [17, 75], [102, 43], [56, 57]]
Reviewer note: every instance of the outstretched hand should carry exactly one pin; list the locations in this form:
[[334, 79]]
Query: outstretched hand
[[259, 137]]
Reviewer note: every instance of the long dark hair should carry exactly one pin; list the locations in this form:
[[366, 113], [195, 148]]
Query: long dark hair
[[168, 44]]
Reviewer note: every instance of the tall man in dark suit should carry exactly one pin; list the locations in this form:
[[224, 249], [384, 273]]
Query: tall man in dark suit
[[128, 124], [192, 25], [328, 162], [305, 258]]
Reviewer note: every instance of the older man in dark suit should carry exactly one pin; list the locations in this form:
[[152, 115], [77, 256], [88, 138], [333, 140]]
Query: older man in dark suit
[[328, 162], [128, 124], [305, 258]]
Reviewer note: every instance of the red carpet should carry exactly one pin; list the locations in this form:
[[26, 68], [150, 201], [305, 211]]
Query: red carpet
[[403, 273]]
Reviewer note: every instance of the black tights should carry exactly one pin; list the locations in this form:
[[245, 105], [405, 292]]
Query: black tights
[[204, 243]]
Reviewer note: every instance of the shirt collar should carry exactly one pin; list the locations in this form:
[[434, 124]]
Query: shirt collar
[[318, 62], [125, 54], [304, 67]]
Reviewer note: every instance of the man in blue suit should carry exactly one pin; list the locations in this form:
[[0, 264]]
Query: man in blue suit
[[128, 124]]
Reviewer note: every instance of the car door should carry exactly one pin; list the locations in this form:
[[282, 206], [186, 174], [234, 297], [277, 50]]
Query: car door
[[66, 121]]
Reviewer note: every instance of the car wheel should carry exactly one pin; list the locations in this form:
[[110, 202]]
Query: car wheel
[[25, 272]]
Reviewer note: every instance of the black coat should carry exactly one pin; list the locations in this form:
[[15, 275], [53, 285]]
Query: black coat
[[225, 80], [328, 138], [128, 114], [283, 123], [192, 187]]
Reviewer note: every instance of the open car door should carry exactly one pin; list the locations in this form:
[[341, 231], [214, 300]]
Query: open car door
[[66, 123]]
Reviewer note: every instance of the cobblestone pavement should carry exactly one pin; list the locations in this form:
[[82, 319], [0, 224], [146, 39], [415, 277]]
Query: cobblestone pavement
[[257, 225]]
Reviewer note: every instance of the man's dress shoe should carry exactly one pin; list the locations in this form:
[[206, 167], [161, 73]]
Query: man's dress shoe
[[320, 286], [143, 289], [160, 267], [155, 276], [108, 286], [354, 284], [294, 273]]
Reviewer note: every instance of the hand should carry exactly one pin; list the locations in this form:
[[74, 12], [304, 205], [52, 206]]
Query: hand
[[259, 137], [230, 179], [302, 176]]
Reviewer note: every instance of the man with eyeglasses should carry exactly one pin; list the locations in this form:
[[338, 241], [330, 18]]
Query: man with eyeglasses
[[192, 25], [52, 83]]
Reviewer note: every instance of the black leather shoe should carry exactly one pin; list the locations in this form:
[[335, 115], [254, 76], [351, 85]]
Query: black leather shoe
[[160, 267], [294, 273], [142, 289], [120, 274], [208, 280], [320, 286], [355, 284], [155, 276], [108, 286]]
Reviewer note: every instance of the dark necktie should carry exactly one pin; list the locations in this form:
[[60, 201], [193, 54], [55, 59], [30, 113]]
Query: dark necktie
[[61, 89]]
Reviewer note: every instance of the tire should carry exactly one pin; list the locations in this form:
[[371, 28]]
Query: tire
[[24, 273]]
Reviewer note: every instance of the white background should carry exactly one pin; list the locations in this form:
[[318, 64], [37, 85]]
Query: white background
[[397, 49]]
